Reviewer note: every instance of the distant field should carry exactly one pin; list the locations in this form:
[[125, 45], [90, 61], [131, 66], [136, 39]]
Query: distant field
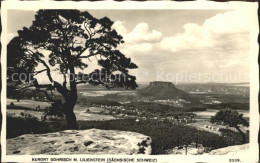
[[81, 114], [16, 112], [103, 93], [16, 107], [233, 106], [204, 111], [28, 103], [96, 109], [211, 112], [96, 101], [28, 106]]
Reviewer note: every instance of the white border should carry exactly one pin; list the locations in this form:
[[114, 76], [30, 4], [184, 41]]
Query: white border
[[251, 9]]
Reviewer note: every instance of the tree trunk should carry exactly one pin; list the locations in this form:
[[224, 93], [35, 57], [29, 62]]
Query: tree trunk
[[72, 100], [70, 115], [242, 134]]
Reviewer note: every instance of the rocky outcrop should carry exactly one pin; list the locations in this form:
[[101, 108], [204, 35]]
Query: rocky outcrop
[[91, 141], [191, 149], [231, 150], [161, 83], [200, 150], [163, 90]]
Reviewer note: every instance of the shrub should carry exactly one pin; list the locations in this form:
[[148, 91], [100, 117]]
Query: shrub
[[17, 126], [233, 136]]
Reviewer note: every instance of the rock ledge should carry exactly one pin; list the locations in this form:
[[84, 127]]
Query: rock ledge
[[92, 141], [232, 150]]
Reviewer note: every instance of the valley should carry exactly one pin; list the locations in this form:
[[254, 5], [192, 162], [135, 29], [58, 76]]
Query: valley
[[158, 102]]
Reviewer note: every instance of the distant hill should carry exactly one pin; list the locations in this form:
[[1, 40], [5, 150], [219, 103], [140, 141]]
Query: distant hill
[[163, 90], [217, 88]]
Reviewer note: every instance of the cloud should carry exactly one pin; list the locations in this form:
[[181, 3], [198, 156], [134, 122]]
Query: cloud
[[220, 43], [140, 41], [227, 23], [224, 31], [140, 34], [193, 37], [232, 25], [119, 27]]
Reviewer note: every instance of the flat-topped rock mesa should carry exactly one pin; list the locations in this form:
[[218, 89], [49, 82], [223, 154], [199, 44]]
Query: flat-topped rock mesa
[[163, 90], [92, 141], [161, 83]]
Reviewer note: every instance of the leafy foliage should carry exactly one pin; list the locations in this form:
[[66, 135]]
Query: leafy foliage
[[234, 136], [69, 39], [230, 118], [18, 126]]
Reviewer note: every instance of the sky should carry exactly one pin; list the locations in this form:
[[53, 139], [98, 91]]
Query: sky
[[193, 46]]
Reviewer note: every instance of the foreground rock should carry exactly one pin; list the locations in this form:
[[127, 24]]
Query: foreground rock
[[231, 150], [91, 141], [192, 149], [200, 150]]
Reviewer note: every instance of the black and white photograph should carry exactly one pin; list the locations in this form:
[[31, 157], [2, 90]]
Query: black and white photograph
[[96, 82]]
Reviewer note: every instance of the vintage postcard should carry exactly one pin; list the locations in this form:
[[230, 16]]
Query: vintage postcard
[[129, 82]]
